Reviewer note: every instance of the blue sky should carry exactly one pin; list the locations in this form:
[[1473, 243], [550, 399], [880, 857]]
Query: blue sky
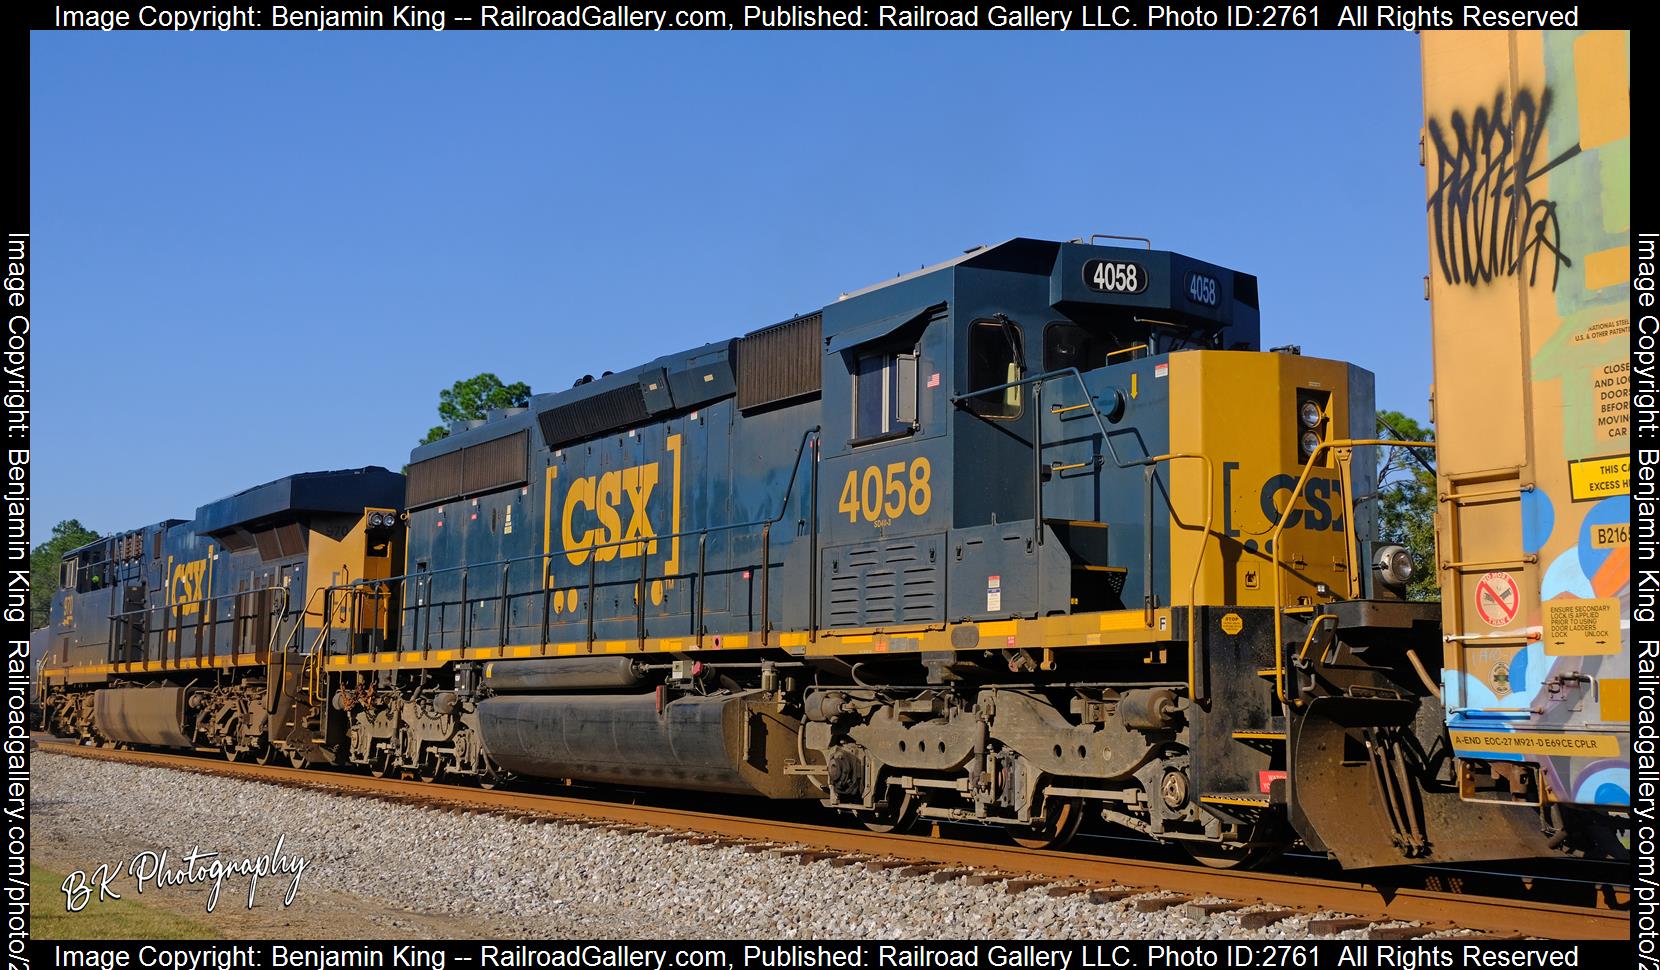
[[263, 253]]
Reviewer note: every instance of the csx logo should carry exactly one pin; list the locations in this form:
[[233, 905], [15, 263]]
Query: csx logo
[[187, 585], [605, 515], [1321, 494]]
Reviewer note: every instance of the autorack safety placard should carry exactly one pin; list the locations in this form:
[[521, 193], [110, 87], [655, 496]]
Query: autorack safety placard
[[1497, 599]]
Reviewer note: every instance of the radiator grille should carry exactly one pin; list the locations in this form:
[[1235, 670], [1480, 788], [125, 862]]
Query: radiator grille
[[433, 480], [478, 468], [280, 542], [619, 407], [781, 363], [494, 464]]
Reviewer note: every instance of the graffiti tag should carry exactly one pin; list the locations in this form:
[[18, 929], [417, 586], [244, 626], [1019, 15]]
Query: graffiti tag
[[1485, 221]]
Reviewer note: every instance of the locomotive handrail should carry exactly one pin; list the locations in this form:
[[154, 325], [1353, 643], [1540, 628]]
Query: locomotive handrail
[[1046, 376], [203, 606], [1279, 527], [274, 685], [355, 587], [1148, 463], [1198, 563]]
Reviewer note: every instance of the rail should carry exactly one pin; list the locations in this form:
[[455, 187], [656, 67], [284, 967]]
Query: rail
[[1494, 902], [421, 620]]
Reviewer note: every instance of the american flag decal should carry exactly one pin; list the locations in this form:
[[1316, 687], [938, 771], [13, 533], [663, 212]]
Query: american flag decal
[[934, 379]]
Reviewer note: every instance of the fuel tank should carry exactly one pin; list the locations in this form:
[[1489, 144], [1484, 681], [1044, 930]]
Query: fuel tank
[[735, 743], [142, 715]]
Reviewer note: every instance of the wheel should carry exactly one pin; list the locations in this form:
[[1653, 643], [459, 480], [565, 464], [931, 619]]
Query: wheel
[[297, 758], [1232, 855], [263, 753], [492, 777], [1060, 824], [229, 747], [894, 819], [380, 762]]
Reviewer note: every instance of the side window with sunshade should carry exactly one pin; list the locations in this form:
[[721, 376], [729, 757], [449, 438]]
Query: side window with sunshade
[[884, 393]]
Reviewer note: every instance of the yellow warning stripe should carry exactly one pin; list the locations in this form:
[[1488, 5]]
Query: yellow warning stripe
[[1124, 627]]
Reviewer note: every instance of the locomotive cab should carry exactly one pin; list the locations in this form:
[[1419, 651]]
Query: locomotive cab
[[1075, 463]]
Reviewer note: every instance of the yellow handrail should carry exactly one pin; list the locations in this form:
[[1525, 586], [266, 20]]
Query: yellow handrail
[[1279, 527], [1198, 565], [1313, 628], [1351, 538]]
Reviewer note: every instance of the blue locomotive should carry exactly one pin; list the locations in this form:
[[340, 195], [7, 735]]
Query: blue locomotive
[[1034, 536]]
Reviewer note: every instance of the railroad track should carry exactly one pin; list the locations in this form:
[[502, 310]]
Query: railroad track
[[1142, 884]]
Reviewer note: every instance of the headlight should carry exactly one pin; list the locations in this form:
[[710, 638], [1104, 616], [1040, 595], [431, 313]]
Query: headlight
[[1311, 441], [375, 520], [1394, 565], [1310, 414]]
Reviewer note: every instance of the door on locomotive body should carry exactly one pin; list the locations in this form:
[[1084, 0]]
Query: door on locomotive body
[[304, 614], [994, 542], [1075, 461], [885, 459]]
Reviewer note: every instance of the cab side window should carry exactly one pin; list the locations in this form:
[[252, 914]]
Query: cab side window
[[994, 358], [884, 393], [1069, 345]]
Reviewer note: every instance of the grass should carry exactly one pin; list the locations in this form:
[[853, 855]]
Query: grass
[[111, 919]]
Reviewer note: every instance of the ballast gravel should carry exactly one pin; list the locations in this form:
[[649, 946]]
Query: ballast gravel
[[534, 879]]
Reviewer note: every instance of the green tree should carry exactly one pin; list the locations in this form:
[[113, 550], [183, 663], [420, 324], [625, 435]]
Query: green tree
[[1406, 500], [470, 399], [43, 566]]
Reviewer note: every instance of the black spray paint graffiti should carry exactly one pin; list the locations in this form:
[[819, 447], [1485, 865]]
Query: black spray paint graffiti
[[1486, 222]]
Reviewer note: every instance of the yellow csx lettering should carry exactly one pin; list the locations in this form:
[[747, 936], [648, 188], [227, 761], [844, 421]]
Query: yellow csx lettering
[[598, 498], [187, 585]]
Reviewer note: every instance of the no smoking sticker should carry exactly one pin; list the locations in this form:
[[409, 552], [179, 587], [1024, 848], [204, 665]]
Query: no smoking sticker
[[1497, 599]]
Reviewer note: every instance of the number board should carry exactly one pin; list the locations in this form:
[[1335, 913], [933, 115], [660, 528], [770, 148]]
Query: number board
[[1201, 289], [1115, 276]]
